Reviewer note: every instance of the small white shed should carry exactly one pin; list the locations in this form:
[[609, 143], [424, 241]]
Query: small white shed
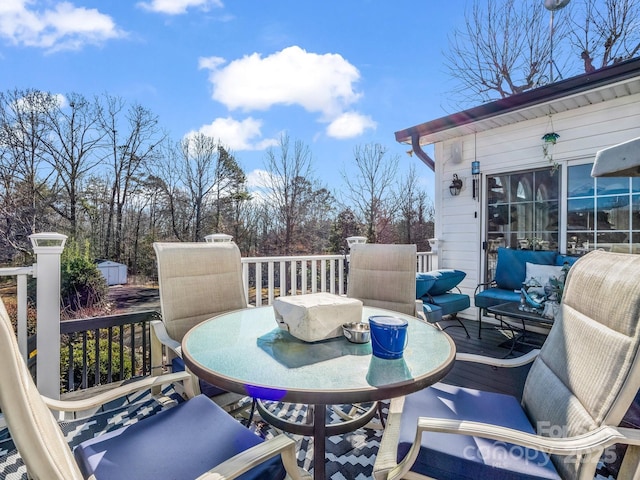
[[115, 273]]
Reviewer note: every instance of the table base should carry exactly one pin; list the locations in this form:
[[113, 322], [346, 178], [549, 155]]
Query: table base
[[319, 430]]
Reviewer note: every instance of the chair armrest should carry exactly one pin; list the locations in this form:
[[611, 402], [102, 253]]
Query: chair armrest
[[241, 463], [115, 393], [499, 362], [484, 285], [589, 443], [387, 456], [160, 331], [419, 311]]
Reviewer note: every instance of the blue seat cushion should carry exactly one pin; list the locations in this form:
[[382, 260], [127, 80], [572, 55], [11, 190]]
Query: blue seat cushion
[[182, 442], [495, 296], [451, 302], [177, 365], [439, 281], [455, 456], [432, 312], [424, 281], [512, 264]]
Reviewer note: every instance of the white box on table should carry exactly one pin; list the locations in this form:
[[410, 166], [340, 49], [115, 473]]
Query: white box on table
[[316, 316]]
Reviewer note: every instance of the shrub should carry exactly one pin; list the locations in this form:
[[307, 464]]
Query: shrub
[[82, 285], [91, 363]]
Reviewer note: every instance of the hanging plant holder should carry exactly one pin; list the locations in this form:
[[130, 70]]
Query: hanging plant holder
[[549, 140]]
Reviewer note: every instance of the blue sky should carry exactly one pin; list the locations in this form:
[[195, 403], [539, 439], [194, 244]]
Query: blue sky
[[333, 73]]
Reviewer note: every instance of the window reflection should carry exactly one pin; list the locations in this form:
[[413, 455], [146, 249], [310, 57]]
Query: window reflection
[[522, 211], [603, 213]]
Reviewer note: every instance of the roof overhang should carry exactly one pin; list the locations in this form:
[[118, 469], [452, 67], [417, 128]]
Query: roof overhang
[[619, 80], [622, 160]]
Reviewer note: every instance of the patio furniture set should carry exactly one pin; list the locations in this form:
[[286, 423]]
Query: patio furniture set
[[567, 418]]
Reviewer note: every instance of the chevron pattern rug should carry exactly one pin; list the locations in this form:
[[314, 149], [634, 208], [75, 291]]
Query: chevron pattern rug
[[348, 457]]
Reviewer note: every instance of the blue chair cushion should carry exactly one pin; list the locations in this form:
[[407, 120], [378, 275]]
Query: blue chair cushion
[[424, 281], [443, 280], [495, 296], [561, 259], [451, 302], [177, 365], [182, 442], [455, 456], [511, 266], [433, 313]]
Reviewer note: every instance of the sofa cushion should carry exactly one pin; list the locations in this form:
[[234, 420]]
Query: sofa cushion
[[432, 312], [511, 266], [561, 259], [451, 302], [445, 280], [424, 281], [494, 296]]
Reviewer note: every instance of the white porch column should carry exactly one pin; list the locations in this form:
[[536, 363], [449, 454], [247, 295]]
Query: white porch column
[[48, 247]]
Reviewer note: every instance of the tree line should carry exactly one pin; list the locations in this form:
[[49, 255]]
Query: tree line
[[105, 173]]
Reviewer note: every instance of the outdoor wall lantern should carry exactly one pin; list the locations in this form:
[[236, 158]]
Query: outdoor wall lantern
[[456, 185]]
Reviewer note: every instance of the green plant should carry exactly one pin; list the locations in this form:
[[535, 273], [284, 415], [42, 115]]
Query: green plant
[[91, 363], [82, 284]]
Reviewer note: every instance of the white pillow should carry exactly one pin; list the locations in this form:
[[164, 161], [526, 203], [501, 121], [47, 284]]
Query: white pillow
[[541, 274]]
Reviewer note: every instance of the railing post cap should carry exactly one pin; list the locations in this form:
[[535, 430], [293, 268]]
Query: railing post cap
[[356, 239], [218, 237], [47, 242]]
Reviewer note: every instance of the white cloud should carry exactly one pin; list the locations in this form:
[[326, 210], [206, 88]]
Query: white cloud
[[238, 135], [350, 125], [64, 27], [319, 83], [178, 7]]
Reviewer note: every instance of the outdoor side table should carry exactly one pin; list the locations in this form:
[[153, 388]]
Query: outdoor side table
[[245, 352]]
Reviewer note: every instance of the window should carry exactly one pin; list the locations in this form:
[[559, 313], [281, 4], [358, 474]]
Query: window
[[522, 211], [602, 212]]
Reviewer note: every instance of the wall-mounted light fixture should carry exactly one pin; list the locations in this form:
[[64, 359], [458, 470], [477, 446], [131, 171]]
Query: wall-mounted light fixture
[[456, 185], [475, 171]]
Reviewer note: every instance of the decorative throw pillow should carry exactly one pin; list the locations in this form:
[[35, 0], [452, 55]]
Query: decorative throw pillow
[[445, 280], [424, 281], [541, 275]]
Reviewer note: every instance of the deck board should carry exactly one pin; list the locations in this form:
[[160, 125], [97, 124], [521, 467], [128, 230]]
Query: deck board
[[494, 343]]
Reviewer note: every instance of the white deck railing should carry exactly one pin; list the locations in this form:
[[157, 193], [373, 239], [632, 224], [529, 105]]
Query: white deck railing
[[295, 275], [270, 276]]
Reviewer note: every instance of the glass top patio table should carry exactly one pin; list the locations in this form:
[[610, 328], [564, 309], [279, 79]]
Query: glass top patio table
[[246, 352]]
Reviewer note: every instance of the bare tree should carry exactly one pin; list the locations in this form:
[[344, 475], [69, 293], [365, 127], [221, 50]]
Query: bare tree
[[288, 179], [369, 191], [416, 210], [510, 46], [71, 143], [502, 49], [23, 192], [605, 32], [133, 137], [200, 158]]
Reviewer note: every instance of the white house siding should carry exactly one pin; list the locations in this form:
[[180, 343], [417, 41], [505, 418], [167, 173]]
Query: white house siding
[[583, 131]]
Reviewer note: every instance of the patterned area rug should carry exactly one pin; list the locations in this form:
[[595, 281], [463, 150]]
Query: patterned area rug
[[348, 457]]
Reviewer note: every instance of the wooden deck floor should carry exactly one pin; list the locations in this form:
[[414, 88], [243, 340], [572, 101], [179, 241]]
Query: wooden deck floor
[[494, 343]]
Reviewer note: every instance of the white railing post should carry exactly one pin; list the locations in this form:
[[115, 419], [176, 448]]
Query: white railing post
[[48, 248]]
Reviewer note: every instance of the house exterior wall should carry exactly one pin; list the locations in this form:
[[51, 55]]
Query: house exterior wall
[[460, 220]]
